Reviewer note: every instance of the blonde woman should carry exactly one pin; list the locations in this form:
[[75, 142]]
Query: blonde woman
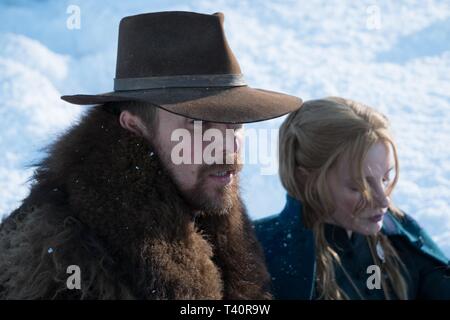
[[339, 235]]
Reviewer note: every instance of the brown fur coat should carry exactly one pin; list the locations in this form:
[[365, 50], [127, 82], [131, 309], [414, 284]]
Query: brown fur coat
[[101, 200]]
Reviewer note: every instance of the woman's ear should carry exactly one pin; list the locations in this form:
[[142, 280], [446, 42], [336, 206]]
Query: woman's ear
[[301, 175]]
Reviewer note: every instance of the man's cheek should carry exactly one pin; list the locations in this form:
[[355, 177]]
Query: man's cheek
[[188, 175]]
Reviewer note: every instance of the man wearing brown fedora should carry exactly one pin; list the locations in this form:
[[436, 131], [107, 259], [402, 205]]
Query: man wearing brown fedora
[[110, 215]]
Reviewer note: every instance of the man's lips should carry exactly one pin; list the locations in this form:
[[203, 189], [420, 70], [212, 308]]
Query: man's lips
[[221, 170], [223, 176], [223, 173]]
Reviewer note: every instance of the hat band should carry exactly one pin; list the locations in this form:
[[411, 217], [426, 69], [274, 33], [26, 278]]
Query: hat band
[[182, 81]]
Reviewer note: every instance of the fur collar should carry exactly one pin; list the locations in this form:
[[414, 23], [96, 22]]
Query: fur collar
[[114, 184]]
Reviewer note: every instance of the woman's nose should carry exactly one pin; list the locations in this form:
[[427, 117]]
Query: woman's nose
[[382, 199], [385, 202]]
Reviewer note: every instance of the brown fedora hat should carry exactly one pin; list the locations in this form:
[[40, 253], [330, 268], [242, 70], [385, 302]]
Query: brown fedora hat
[[181, 62]]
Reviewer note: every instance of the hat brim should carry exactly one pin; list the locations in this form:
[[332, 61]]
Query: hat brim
[[225, 105]]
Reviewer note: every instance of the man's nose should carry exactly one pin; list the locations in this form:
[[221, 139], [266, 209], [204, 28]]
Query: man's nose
[[232, 143]]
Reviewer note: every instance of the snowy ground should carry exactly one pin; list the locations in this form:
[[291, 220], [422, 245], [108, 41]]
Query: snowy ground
[[391, 55]]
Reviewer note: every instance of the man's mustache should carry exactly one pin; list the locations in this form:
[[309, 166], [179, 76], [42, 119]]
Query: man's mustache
[[236, 166]]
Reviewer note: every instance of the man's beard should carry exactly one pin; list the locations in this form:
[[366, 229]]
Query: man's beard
[[197, 197], [223, 198]]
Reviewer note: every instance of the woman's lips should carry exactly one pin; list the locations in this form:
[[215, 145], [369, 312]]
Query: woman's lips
[[377, 218]]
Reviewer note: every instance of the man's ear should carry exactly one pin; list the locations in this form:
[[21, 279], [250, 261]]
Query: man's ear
[[132, 123]]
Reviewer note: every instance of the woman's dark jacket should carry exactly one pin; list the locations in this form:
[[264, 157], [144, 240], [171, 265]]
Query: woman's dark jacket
[[290, 256]]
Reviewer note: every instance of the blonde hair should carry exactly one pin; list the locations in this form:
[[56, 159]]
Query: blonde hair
[[312, 140]]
